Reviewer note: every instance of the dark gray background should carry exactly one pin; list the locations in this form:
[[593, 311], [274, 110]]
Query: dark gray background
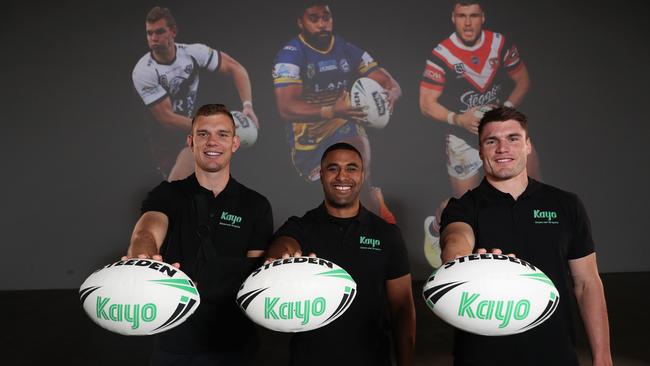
[[75, 158]]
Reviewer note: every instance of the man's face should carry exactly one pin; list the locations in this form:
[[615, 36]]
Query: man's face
[[342, 178], [468, 21], [213, 142], [504, 149], [316, 26], [160, 37]]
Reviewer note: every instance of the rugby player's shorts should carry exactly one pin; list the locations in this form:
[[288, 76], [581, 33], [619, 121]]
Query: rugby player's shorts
[[463, 161]]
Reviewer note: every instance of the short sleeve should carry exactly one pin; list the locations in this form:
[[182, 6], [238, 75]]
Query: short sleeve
[[457, 210], [365, 63], [286, 70], [582, 243], [145, 82], [398, 263], [512, 61], [291, 228], [262, 228], [205, 57], [433, 76], [159, 199]]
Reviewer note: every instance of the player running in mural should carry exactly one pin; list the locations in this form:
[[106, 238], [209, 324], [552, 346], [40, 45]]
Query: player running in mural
[[312, 75], [167, 80], [466, 74]]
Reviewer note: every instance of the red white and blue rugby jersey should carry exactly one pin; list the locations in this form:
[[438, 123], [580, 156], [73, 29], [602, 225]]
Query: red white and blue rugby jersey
[[471, 76]]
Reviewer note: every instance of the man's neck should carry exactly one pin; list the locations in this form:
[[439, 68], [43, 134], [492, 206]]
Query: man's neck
[[214, 181], [166, 56], [514, 186], [343, 212]]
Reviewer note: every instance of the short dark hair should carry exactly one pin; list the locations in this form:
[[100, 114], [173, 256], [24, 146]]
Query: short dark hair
[[306, 4], [502, 114], [212, 109], [158, 13], [467, 3], [340, 146]]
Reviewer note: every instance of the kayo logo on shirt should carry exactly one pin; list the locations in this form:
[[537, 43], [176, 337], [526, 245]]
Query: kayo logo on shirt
[[228, 219], [369, 243], [545, 217]]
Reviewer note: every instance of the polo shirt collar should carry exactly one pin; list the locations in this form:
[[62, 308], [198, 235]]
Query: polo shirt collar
[[491, 191], [231, 189], [363, 216]]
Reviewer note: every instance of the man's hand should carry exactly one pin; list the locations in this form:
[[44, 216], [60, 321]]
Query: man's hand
[[343, 109], [156, 257], [493, 251], [469, 120], [247, 110]]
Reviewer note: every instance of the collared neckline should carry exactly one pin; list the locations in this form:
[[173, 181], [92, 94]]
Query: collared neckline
[[488, 188], [231, 188], [362, 216]]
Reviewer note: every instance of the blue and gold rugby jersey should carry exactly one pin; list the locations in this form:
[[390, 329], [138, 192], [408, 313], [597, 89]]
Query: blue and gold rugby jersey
[[323, 75]]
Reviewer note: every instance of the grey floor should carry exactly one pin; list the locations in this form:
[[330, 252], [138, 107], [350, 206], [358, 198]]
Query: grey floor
[[49, 327]]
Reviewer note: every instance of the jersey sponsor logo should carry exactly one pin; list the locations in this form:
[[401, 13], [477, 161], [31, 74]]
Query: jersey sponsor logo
[[311, 70], [327, 65], [290, 48], [189, 68], [147, 91], [432, 75], [228, 219], [473, 99], [369, 243], [459, 68], [366, 60], [344, 65], [341, 84], [545, 217], [286, 71]]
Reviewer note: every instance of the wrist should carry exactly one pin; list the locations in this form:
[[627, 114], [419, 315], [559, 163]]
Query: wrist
[[327, 112], [247, 103], [452, 118]]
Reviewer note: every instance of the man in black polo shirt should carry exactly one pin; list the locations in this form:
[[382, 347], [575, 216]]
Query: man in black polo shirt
[[216, 230], [339, 230], [542, 224]]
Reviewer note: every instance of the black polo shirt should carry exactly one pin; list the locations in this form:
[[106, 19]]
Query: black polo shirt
[[372, 252], [240, 220], [545, 226]]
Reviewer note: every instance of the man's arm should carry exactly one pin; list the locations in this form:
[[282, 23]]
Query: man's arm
[[390, 85], [457, 240], [402, 311], [430, 107], [292, 107], [522, 84], [232, 68], [148, 236], [163, 112], [590, 296]]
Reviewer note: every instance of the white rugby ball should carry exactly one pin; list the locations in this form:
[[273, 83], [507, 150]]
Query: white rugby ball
[[491, 294], [368, 94], [296, 294], [139, 297], [245, 129]]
